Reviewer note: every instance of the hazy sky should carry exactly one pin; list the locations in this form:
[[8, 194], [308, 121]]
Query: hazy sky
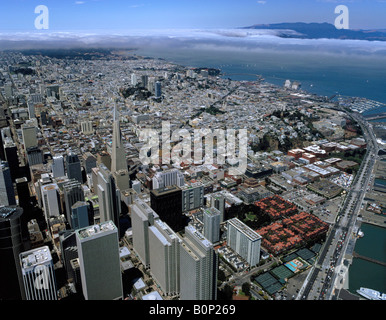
[[123, 15]]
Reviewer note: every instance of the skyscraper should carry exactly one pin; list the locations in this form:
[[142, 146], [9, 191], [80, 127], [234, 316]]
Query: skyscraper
[[142, 217], [118, 157], [38, 274], [23, 194], [212, 224], [108, 196], [12, 158], [218, 202], [198, 267], [158, 90], [168, 178], [74, 170], [34, 156], [164, 247], [73, 192], [58, 166], [167, 202], [29, 135], [98, 249], [11, 246], [50, 200], [7, 193], [192, 196], [244, 241], [80, 215]]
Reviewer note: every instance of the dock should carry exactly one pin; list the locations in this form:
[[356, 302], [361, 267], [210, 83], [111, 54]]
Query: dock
[[356, 255]]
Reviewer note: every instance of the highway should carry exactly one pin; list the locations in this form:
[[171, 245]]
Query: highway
[[324, 272]]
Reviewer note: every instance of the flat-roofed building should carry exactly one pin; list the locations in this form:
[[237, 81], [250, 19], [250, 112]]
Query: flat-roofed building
[[192, 196], [38, 274], [199, 264], [212, 219], [99, 262], [142, 217], [244, 241], [164, 247]]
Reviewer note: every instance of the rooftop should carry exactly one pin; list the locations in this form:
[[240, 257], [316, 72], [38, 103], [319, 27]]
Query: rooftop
[[35, 257], [96, 229], [252, 235]]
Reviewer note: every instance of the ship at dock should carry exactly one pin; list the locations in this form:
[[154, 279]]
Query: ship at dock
[[371, 294]]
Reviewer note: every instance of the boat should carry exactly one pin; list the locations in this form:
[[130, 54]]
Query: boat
[[361, 234], [371, 294]]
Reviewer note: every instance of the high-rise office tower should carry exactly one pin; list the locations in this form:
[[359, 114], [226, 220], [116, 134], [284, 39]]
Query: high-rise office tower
[[167, 202], [134, 80], [58, 166], [11, 246], [50, 200], [23, 194], [80, 213], [212, 224], [144, 80], [34, 156], [108, 196], [74, 170], [73, 192], [7, 193], [118, 157], [86, 127], [25, 202], [12, 158], [168, 178], [38, 274], [31, 109], [142, 217], [99, 262], [158, 90], [29, 135], [68, 250], [2, 152], [89, 161], [198, 267], [192, 196], [244, 241], [164, 247], [218, 202]]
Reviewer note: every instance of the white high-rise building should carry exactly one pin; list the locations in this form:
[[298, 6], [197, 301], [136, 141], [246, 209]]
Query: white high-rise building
[[99, 262], [164, 247], [212, 218], [134, 79], [109, 196], [38, 274], [50, 200], [142, 217], [168, 178], [86, 127], [198, 267], [244, 241]]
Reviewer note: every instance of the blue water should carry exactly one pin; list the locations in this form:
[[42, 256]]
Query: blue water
[[364, 273], [319, 73]]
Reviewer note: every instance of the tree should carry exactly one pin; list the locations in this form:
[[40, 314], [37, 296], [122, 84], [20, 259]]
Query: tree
[[246, 288]]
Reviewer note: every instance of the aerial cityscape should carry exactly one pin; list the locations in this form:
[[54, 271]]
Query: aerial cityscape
[[213, 162]]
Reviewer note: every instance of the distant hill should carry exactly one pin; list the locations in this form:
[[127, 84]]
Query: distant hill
[[322, 30]]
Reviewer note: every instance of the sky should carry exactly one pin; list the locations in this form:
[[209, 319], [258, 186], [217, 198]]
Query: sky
[[124, 15]]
